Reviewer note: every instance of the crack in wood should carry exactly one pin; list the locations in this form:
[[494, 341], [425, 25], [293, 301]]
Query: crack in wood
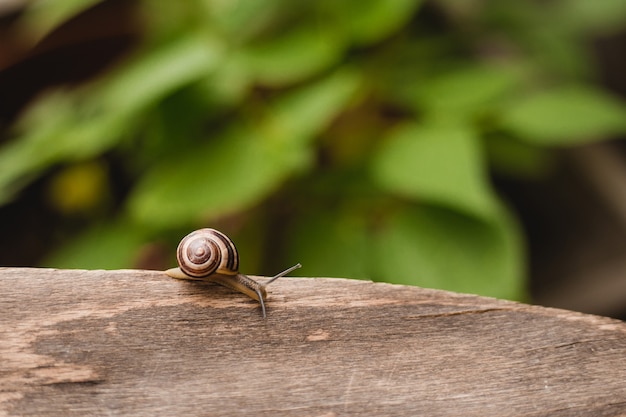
[[461, 313]]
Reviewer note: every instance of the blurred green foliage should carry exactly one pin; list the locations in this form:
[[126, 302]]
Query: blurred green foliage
[[356, 137]]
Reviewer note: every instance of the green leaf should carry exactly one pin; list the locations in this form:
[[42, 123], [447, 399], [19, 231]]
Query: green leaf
[[152, 76], [437, 248], [242, 20], [229, 173], [229, 83], [426, 246], [64, 126], [242, 166], [306, 112], [109, 246], [22, 158], [596, 16], [318, 236], [294, 56], [369, 21], [566, 116], [439, 164], [467, 90]]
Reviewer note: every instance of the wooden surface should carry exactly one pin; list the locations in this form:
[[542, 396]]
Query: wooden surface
[[77, 343]]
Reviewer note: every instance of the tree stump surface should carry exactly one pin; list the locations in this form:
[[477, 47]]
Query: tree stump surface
[[132, 342]]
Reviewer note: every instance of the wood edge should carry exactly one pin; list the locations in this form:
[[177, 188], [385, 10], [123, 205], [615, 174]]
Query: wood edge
[[504, 304]]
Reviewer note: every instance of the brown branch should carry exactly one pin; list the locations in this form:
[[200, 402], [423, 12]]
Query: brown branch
[[76, 343]]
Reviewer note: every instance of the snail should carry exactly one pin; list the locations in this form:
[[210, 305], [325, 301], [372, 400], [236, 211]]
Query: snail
[[209, 255]]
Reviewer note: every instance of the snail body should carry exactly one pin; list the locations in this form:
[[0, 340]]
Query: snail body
[[209, 255]]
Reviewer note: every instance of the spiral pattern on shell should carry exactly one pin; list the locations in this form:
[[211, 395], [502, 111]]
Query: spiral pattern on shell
[[207, 251]]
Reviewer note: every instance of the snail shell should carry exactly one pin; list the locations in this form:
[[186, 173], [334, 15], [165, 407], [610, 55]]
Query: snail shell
[[205, 252], [209, 255]]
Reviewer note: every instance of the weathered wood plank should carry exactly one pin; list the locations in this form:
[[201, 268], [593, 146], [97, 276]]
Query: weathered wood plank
[[77, 343]]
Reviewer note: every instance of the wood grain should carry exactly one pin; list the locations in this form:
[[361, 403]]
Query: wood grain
[[77, 343]]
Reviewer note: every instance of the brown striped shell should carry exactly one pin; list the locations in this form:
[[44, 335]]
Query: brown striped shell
[[204, 252]]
